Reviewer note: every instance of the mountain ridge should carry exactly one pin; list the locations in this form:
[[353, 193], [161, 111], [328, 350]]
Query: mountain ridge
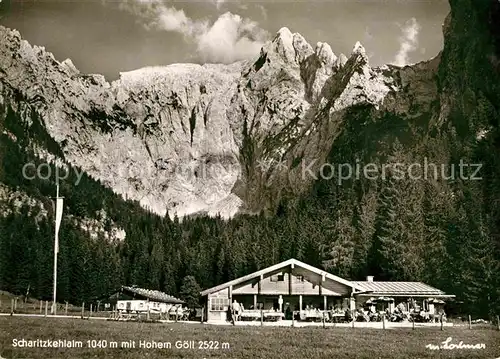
[[160, 114]]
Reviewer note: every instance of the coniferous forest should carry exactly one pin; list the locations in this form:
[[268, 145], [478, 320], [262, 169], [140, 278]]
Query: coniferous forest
[[443, 232], [438, 233]]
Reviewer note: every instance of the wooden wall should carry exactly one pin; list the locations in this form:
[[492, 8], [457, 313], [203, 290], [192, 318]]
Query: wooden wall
[[294, 282]]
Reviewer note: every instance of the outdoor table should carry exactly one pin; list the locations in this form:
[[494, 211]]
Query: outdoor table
[[336, 317], [274, 315], [250, 314], [311, 315]]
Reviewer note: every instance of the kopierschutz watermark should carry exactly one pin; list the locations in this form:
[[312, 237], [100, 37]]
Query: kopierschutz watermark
[[397, 171]]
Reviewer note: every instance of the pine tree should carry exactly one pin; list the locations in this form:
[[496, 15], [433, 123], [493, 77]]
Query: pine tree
[[364, 224], [386, 242], [156, 263], [338, 246], [190, 291]]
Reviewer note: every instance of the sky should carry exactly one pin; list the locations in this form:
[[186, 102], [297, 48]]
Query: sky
[[111, 36]]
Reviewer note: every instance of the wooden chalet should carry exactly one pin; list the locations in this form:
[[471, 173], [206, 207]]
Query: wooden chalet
[[292, 286]]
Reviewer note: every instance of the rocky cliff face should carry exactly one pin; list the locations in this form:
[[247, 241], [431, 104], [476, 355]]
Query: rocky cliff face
[[216, 139]]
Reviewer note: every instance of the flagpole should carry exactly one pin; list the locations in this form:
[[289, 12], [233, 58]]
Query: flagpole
[[56, 247]]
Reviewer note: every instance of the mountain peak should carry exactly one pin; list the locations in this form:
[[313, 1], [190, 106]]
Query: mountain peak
[[284, 32], [302, 48], [70, 67], [283, 44], [325, 54], [359, 54], [341, 61], [358, 49]]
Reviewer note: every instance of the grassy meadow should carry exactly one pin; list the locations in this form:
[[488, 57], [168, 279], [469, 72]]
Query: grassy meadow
[[237, 342]]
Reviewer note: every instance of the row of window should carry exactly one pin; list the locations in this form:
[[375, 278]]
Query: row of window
[[222, 304], [281, 278], [219, 303]]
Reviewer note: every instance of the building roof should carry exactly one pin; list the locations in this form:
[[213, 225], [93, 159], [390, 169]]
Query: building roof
[[277, 267], [154, 295], [401, 288]]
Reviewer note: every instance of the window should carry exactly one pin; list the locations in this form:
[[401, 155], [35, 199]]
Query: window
[[219, 304], [300, 278], [277, 277]]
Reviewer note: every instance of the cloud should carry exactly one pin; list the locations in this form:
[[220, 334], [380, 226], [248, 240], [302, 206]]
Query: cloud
[[230, 38], [263, 11], [408, 42], [218, 3]]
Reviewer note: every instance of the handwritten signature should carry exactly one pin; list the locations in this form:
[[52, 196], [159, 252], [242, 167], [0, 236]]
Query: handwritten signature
[[447, 345]]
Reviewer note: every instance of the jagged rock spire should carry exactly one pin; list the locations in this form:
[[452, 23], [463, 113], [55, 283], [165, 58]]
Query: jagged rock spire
[[325, 54], [283, 44]]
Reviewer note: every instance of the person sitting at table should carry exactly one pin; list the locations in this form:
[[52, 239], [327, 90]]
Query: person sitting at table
[[401, 307], [425, 315], [172, 313], [180, 312], [366, 315], [397, 314]]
